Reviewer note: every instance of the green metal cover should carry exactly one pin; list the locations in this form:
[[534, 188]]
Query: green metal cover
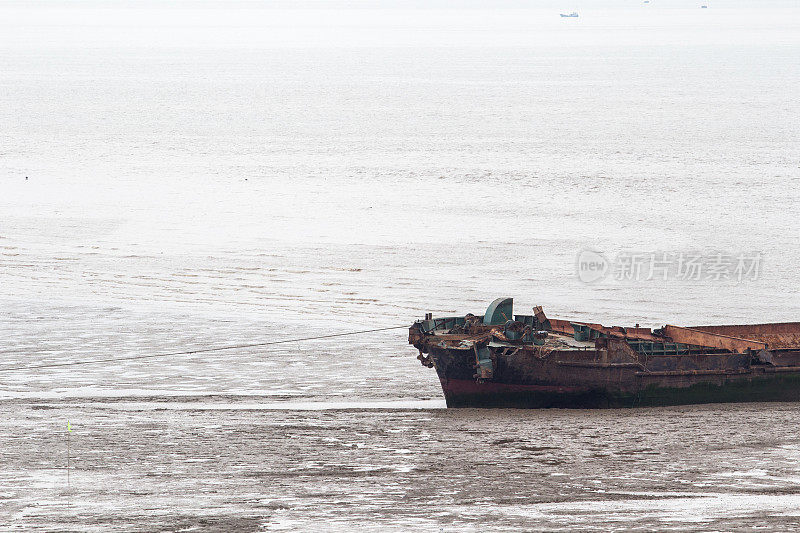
[[499, 311]]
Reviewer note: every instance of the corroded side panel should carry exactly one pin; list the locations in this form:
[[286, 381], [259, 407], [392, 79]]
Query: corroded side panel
[[592, 378], [779, 335]]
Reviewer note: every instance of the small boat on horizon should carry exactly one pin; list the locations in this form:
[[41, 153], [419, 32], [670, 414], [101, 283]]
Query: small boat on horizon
[[570, 15]]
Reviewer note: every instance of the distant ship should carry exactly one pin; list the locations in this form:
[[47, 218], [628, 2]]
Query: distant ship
[[506, 360], [573, 14]]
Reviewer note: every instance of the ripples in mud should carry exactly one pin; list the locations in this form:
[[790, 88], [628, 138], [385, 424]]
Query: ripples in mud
[[373, 467]]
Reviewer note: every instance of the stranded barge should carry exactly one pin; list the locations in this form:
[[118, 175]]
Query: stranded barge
[[529, 361]]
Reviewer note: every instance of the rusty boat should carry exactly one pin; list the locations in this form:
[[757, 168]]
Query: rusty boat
[[532, 361]]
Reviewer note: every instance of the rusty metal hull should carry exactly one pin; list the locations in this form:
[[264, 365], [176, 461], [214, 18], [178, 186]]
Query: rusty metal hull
[[505, 360], [572, 386]]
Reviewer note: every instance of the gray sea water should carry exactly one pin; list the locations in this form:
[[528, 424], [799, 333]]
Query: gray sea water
[[206, 173]]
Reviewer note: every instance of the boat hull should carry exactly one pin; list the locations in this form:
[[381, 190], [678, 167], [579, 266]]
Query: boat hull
[[463, 393], [501, 359], [610, 386]]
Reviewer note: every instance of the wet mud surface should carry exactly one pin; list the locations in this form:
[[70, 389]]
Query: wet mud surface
[[206, 466]]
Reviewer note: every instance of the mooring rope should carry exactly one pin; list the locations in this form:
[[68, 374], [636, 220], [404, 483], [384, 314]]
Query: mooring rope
[[189, 352]]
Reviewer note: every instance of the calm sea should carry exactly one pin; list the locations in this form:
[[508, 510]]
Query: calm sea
[[186, 175]]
